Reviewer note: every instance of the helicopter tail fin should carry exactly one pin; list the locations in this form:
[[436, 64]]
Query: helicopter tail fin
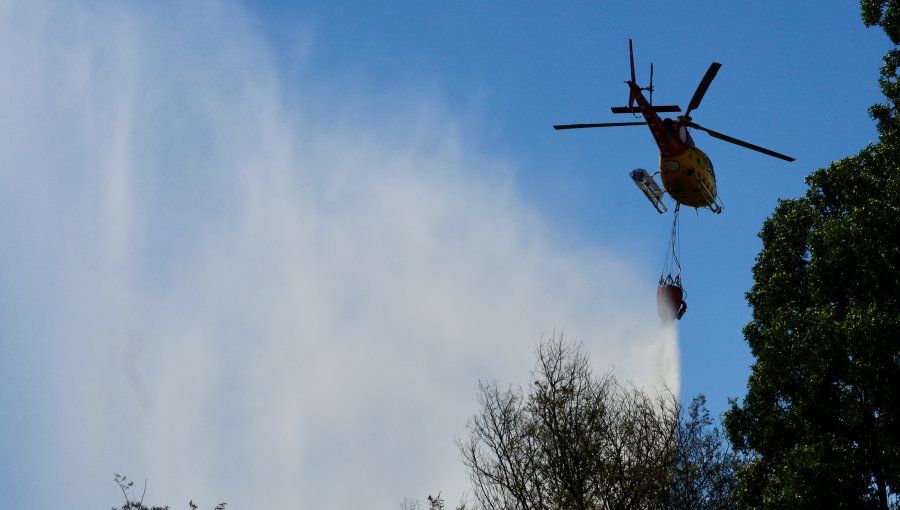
[[634, 89], [631, 97]]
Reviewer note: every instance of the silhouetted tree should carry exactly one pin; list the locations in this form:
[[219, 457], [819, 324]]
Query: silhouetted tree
[[576, 441], [821, 418], [434, 503], [704, 475]]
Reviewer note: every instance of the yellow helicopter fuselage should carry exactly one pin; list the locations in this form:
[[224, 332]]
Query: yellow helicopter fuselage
[[689, 177], [687, 173]]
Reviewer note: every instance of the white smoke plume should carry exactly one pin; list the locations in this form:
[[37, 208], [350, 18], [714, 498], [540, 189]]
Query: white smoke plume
[[271, 297]]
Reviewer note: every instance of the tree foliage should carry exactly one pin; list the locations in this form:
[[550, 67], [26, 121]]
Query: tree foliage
[[821, 418], [704, 471], [886, 14], [821, 411], [577, 441]]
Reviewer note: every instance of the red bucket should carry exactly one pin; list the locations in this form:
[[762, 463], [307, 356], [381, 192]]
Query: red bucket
[[670, 302]]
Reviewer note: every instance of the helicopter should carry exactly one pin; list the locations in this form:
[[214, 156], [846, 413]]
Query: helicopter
[[687, 172]]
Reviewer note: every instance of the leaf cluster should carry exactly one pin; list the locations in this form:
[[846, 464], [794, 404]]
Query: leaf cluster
[[886, 14]]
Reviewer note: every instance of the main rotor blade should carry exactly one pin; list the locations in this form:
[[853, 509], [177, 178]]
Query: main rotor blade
[[701, 88], [742, 143], [607, 124]]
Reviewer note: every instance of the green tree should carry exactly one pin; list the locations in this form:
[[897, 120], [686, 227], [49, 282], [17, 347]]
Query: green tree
[[578, 441], [821, 418]]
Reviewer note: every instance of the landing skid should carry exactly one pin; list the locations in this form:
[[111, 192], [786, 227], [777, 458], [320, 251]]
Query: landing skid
[[713, 201], [647, 184]]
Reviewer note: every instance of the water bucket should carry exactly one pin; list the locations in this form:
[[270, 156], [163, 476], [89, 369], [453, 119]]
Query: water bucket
[[670, 302]]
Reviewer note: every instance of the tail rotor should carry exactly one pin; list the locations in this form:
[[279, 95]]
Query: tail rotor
[[650, 88], [631, 97]]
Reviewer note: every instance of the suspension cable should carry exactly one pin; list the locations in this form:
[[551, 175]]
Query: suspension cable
[[671, 264]]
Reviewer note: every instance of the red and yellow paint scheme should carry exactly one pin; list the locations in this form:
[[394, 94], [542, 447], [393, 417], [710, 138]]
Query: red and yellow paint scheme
[[686, 172]]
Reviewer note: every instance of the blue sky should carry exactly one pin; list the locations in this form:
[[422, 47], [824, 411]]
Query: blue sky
[[261, 251], [794, 79]]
